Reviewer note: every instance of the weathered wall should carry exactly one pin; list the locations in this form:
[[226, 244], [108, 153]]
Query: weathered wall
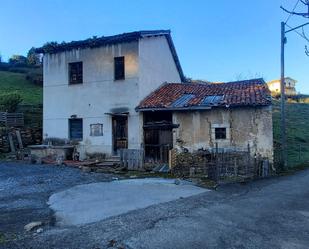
[[99, 93], [156, 64], [245, 126]]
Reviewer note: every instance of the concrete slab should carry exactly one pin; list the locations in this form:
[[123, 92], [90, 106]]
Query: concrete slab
[[93, 202]]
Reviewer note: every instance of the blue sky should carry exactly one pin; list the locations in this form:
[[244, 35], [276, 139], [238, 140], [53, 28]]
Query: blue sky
[[215, 40]]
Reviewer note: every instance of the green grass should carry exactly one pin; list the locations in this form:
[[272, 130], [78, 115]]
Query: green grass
[[297, 122], [16, 82]]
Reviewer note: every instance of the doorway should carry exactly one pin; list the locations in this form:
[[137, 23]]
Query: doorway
[[120, 133]]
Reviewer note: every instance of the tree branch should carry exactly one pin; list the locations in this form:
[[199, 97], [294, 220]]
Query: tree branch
[[296, 13]]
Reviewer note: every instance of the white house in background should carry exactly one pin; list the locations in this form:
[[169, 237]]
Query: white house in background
[[274, 86], [91, 87]]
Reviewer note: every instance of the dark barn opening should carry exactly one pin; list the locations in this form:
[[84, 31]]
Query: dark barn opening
[[158, 136]]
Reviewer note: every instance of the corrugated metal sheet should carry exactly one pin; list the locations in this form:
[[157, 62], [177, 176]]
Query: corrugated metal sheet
[[183, 100]]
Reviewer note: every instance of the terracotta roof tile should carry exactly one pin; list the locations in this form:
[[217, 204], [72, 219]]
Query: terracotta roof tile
[[239, 93]]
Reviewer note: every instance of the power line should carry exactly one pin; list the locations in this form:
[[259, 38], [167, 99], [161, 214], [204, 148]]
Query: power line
[[300, 34], [291, 14]]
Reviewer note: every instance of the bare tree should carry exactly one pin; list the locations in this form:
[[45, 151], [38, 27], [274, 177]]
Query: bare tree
[[303, 14]]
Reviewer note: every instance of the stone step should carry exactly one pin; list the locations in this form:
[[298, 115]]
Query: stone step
[[107, 164], [112, 159]]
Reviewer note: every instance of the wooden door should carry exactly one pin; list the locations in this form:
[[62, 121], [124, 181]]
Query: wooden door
[[120, 133]]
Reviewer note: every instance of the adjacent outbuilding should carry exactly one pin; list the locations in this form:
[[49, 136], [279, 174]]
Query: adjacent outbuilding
[[229, 116]]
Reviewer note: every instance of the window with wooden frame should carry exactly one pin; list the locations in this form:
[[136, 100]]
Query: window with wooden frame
[[75, 73], [119, 69], [220, 133], [76, 129], [96, 130]]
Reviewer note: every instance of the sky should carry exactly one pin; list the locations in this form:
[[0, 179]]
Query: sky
[[215, 40]]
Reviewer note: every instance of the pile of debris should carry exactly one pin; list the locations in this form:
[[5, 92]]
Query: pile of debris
[[109, 165], [11, 139]]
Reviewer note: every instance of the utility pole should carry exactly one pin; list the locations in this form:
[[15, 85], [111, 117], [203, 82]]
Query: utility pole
[[284, 155], [282, 90]]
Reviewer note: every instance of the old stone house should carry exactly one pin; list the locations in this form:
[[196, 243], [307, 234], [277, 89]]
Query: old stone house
[[109, 93], [228, 116]]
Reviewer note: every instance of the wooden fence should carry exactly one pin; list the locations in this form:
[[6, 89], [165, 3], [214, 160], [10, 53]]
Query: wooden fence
[[12, 119], [133, 159]]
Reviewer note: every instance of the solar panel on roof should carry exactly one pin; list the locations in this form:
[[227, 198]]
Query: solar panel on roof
[[182, 100], [212, 100]]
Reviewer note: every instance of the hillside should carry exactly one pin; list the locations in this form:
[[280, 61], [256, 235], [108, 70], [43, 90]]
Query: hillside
[[17, 82], [297, 121]]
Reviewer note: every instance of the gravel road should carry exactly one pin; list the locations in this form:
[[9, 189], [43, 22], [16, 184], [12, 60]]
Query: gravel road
[[271, 213]]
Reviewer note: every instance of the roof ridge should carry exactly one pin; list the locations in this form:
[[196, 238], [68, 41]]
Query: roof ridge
[[213, 84], [93, 39]]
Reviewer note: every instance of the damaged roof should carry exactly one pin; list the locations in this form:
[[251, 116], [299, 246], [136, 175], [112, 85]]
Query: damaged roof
[[94, 42], [182, 96]]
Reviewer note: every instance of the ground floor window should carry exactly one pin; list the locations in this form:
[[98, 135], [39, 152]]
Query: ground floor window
[[76, 129], [220, 133], [96, 130]]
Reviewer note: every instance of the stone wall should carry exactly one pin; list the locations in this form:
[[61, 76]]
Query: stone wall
[[244, 126]]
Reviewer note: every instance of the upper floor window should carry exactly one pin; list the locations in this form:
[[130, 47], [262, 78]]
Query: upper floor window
[[76, 72], [119, 68]]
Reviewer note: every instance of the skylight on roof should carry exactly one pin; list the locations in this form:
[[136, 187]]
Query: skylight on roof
[[182, 100], [212, 100]]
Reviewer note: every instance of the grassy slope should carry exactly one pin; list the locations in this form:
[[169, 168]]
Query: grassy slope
[[16, 82], [297, 121]]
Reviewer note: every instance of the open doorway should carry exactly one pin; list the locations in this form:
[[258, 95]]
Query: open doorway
[[158, 136], [120, 133]]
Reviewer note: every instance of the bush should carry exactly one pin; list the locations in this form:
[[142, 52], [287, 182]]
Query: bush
[[35, 78], [4, 66], [18, 60], [9, 102]]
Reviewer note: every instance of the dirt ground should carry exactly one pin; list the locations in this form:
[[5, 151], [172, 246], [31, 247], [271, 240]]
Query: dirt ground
[[271, 213]]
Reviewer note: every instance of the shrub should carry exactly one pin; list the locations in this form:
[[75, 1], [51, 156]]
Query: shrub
[[18, 60], [9, 102], [35, 78]]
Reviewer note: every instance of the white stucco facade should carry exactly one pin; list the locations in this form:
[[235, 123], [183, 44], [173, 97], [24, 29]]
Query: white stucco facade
[[148, 64], [275, 86]]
